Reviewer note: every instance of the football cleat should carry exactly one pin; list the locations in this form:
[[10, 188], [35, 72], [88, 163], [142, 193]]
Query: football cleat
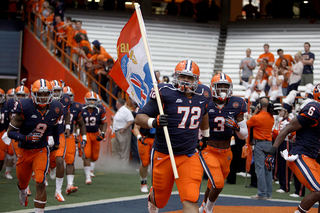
[[23, 196], [88, 181], [205, 210], [144, 188], [202, 207], [52, 173], [91, 174], [59, 196], [152, 208], [33, 176], [8, 176], [28, 191], [70, 189]]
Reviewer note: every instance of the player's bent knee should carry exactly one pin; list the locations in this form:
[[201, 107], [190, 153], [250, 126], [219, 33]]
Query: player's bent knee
[[192, 193]]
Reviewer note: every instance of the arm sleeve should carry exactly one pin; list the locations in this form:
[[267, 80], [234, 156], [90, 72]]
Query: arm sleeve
[[55, 134]]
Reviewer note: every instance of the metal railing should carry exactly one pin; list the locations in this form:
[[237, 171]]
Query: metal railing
[[48, 37]]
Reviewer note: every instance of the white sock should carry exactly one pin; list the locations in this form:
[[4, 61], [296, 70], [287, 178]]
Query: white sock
[[92, 165], [59, 182], [210, 205], [38, 210], [8, 169], [142, 179], [87, 171], [70, 179]]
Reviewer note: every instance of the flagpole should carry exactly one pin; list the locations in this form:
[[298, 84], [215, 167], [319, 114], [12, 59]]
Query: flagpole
[[155, 86]]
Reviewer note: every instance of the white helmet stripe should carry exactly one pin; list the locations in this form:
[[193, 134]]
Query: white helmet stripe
[[42, 83], [188, 65], [223, 77]]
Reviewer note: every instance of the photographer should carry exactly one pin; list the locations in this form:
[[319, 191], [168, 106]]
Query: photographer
[[262, 122]]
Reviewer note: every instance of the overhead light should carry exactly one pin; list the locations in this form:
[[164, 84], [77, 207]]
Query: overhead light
[[130, 3], [305, 2]]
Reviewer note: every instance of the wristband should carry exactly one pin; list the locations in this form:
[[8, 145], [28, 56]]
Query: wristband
[[205, 132], [68, 126], [139, 136], [150, 121], [102, 133], [84, 137]]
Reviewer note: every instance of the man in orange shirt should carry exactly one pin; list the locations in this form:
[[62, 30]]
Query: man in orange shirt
[[266, 55], [68, 27], [284, 56], [75, 49], [262, 122], [98, 49], [61, 33]]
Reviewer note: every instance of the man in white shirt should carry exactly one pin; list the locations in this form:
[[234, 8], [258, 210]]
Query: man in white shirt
[[122, 125]]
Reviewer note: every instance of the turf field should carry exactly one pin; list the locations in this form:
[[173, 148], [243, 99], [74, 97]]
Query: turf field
[[115, 186]]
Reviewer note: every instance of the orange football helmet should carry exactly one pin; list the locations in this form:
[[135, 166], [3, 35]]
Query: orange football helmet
[[21, 92], [316, 92], [41, 92], [91, 99], [57, 90], [221, 93], [2, 96], [10, 93], [69, 91], [99, 99], [189, 68]]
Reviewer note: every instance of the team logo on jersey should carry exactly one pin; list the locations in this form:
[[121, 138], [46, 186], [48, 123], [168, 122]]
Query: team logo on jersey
[[77, 105], [57, 110], [66, 100], [206, 94], [235, 105]]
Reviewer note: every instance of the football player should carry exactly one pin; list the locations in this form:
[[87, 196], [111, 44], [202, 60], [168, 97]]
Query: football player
[[75, 117], [35, 119], [185, 111], [64, 131], [226, 117], [95, 121], [302, 157], [145, 141], [4, 147]]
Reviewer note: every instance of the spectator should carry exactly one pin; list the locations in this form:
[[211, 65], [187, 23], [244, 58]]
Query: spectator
[[103, 74], [81, 41], [158, 76], [203, 11], [284, 69], [172, 8], [122, 124], [284, 56], [45, 12], [307, 61], [98, 49], [69, 28], [247, 65], [262, 123], [266, 73], [296, 71], [275, 82], [61, 33], [214, 11], [255, 88], [283, 171], [59, 10], [250, 10], [186, 8], [86, 54], [75, 49], [266, 55]]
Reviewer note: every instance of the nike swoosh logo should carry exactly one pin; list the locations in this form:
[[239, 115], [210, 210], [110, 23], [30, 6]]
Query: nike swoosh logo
[[53, 119], [201, 102], [231, 112]]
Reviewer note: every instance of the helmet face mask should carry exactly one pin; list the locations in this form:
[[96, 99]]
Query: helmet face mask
[[2, 96], [57, 90], [186, 76], [21, 92], [41, 92], [221, 87], [10, 93], [91, 99]]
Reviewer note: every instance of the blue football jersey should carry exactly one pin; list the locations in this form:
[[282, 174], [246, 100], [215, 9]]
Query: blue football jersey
[[93, 119], [308, 137], [184, 117], [4, 117], [234, 107], [75, 112], [35, 120], [65, 101], [10, 105]]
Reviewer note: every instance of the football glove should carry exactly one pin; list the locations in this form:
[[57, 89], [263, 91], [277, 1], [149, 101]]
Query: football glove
[[76, 138], [202, 143], [160, 121], [83, 143], [270, 158], [141, 139], [33, 136], [101, 136], [231, 123]]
